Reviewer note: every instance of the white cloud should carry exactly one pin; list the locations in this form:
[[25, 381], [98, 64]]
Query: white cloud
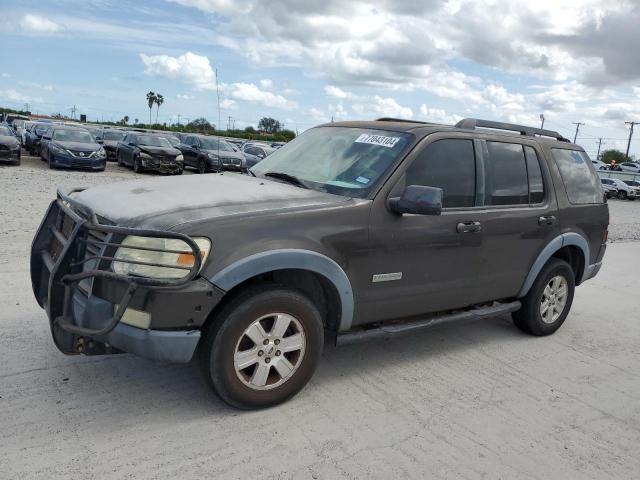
[[37, 24], [249, 92], [438, 115], [228, 104], [4, 75], [184, 96], [12, 95], [266, 84], [382, 107], [336, 92], [189, 68]]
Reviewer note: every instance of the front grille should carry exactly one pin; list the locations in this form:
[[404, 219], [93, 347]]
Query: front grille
[[63, 227], [4, 148], [82, 154]]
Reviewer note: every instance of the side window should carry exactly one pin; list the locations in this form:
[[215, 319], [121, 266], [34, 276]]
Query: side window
[[580, 181], [449, 165], [536, 185], [505, 175]]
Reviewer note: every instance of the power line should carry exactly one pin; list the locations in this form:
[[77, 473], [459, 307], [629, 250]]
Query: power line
[[599, 146]]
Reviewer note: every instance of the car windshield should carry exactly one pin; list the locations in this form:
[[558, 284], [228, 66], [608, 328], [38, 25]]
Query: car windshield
[[40, 129], [632, 183], [115, 136], [209, 143], [173, 140], [342, 160], [73, 135], [5, 131], [152, 141]]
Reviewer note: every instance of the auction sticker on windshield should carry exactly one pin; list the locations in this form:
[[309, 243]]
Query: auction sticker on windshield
[[381, 140]]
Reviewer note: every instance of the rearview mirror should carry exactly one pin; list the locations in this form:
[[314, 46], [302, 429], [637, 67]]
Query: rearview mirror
[[418, 200]]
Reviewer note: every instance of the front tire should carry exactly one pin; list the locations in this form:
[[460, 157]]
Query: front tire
[[137, 165], [202, 166], [546, 306], [622, 195], [263, 346]]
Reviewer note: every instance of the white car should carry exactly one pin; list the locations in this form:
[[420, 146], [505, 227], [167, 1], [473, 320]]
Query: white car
[[625, 191], [598, 165], [630, 167]]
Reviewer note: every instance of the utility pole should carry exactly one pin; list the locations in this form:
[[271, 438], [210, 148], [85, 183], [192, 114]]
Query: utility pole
[[26, 107], [73, 112], [542, 120], [178, 119], [599, 145], [229, 124], [632, 124], [577, 124]]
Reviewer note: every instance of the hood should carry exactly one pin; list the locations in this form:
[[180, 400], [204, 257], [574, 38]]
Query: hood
[[159, 150], [77, 146], [225, 153], [9, 140], [166, 202]]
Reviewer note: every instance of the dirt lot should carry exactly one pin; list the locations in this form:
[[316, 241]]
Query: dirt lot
[[472, 400]]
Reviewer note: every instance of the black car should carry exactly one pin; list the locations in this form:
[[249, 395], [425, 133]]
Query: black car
[[144, 151], [201, 153], [72, 147], [255, 152], [109, 138], [33, 137], [9, 146], [353, 230]]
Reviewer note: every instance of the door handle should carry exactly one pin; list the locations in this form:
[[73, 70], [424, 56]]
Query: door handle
[[546, 220], [469, 227]]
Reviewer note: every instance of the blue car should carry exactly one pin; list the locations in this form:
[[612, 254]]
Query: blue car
[[71, 147]]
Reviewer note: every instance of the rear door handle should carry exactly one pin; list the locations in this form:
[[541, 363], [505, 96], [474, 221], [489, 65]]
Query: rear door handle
[[546, 220], [469, 227]]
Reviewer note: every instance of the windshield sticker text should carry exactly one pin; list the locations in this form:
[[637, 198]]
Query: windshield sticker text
[[380, 140]]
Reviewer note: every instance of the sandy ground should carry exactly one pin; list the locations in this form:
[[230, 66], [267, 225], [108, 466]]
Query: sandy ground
[[470, 400]]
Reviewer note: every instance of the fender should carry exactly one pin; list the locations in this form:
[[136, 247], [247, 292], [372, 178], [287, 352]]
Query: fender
[[271, 260], [547, 252]]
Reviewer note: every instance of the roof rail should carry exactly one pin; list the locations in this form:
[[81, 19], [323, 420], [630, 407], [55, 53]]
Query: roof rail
[[390, 119], [473, 123]]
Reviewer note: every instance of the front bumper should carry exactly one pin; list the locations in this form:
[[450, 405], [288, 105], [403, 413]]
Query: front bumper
[[71, 161], [9, 155], [90, 307], [162, 165]]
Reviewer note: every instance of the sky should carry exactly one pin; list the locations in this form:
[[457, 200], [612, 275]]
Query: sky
[[306, 62]]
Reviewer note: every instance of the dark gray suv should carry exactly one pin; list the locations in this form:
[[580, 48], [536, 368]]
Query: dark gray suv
[[351, 231]]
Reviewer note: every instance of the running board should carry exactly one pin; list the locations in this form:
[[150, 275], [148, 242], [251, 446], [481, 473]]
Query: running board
[[398, 328]]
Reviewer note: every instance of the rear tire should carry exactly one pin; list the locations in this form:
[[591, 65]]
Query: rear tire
[[546, 306], [622, 195], [263, 346], [202, 166]]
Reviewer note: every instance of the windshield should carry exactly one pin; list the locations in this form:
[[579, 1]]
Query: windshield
[[115, 136], [341, 160], [153, 141], [80, 136], [5, 131], [173, 140], [40, 129]]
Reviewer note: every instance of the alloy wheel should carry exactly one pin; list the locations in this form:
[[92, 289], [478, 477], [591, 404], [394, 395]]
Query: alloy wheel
[[554, 299], [269, 351]]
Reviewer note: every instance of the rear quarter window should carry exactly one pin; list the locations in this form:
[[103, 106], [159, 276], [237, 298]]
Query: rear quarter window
[[580, 181]]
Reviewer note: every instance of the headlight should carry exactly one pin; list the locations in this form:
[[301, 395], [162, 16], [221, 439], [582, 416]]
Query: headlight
[[180, 158], [146, 156], [56, 148], [101, 153], [177, 262]]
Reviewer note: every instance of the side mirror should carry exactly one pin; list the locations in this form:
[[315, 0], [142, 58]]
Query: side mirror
[[260, 155], [132, 144], [419, 200], [99, 140]]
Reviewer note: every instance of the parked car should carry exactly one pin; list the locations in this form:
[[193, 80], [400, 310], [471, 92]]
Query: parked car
[[609, 190], [600, 165], [201, 152], [255, 152], [230, 155], [630, 167], [33, 137], [143, 151], [71, 147], [354, 230], [9, 146], [625, 191], [109, 138]]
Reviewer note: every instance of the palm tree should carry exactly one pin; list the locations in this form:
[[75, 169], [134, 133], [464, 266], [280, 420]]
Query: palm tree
[[151, 99], [159, 101], [126, 119], [135, 120]]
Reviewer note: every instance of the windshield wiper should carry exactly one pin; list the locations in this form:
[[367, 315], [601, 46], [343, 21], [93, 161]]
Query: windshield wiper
[[287, 178]]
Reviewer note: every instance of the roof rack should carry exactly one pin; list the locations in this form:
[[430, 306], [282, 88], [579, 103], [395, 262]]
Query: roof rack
[[473, 123]]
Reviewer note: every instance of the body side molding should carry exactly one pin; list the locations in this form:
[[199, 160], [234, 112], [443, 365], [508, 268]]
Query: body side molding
[[271, 260], [547, 252]]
